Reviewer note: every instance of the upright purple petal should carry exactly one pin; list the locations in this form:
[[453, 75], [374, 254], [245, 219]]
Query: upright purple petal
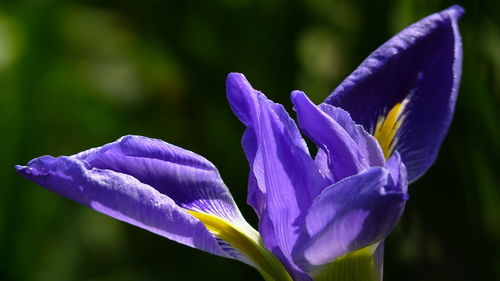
[[349, 148], [283, 177], [122, 197], [352, 214], [420, 69]]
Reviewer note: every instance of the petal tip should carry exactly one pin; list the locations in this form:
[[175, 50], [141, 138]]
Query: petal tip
[[296, 93], [19, 168], [30, 172], [298, 97], [23, 170], [455, 11], [237, 82], [235, 77]]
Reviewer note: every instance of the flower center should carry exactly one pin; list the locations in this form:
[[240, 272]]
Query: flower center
[[388, 127]]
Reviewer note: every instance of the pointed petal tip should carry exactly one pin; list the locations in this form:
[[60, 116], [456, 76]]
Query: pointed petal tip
[[237, 83], [298, 97], [34, 168], [19, 168], [455, 11], [296, 94], [234, 74], [242, 96], [235, 77], [24, 171]]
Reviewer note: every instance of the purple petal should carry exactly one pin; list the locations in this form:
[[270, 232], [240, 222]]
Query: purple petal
[[351, 214], [189, 179], [322, 161], [420, 66], [283, 177], [122, 197], [348, 147], [147, 172], [366, 143]]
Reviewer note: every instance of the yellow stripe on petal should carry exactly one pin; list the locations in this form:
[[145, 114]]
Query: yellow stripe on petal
[[388, 127], [248, 242]]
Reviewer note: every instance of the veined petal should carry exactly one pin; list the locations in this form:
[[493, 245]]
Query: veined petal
[[405, 91], [349, 149], [283, 177], [366, 143], [189, 179], [122, 197], [352, 214], [162, 188]]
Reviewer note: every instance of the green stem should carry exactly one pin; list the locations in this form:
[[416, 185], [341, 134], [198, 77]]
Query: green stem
[[355, 266]]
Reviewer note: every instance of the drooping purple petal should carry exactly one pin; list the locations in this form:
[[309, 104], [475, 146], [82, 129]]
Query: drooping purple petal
[[189, 179], [122, 197], [349, 149], [353, 213], [419, 67], [283, 179], [143, 169]]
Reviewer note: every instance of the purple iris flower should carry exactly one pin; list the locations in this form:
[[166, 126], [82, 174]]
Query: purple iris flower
[[320, 218]]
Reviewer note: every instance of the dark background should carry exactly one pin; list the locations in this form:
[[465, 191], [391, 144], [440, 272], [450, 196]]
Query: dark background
[[78, 74]]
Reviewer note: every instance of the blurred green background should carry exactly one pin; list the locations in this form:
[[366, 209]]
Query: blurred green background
[[78, 74]]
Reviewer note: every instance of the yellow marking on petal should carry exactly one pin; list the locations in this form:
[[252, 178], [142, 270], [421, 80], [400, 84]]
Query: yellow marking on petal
[[388, 126], [248, 242]]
